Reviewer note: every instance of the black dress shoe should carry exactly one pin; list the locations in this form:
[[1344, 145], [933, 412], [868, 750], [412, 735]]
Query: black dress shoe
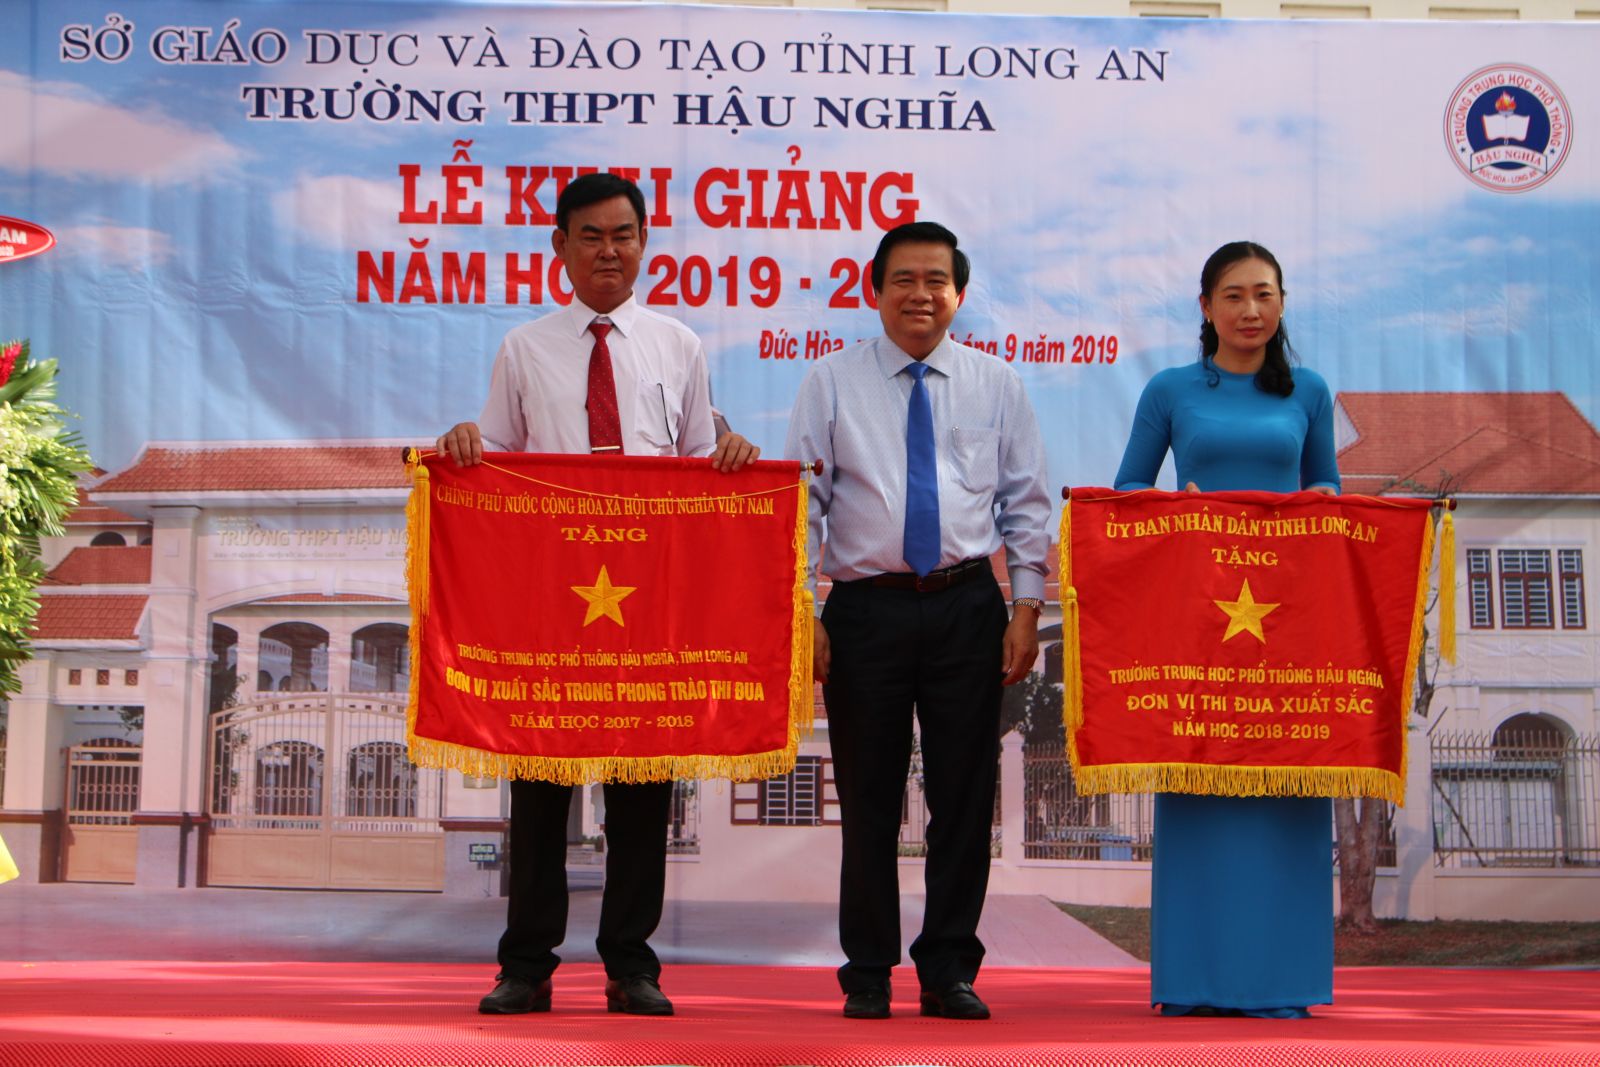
[[956, 1001], [639, 995], [870, 1003], [516, 996]]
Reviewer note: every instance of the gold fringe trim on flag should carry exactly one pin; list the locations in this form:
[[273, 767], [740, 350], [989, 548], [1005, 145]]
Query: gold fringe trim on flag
[[1408, 691], [477, 763], [1447, 586], [1072, 668], [1408, 681], [743, 767], [418, 543], [802, 686], [1234, 781]]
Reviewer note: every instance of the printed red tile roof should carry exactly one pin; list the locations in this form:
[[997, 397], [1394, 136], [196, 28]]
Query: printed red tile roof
[[330, 598], [1514, 444], [88, 513], [86, 618], [234, 469], [106, 565]]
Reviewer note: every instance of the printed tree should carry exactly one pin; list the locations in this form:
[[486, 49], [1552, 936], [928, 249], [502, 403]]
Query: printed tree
[[1362, 823], [40, 460]]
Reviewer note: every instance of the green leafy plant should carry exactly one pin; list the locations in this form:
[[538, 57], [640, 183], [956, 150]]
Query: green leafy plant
[[40, 460]]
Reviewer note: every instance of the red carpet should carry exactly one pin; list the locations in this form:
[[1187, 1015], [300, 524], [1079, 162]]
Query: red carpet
[[213, 1014]]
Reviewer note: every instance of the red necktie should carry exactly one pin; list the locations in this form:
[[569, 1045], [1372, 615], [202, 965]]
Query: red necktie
[[605, 425]]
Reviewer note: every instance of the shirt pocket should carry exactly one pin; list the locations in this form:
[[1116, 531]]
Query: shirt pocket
[[975, 458], [660, 416]]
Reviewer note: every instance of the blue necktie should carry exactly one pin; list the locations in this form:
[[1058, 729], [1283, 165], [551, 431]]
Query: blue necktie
[[921, 545]]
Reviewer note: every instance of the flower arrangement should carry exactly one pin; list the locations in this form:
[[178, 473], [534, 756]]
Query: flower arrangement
[[40, 460]]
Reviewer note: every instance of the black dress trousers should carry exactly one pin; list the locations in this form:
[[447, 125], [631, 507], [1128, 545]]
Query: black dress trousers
[[636, 876], [898, 653]]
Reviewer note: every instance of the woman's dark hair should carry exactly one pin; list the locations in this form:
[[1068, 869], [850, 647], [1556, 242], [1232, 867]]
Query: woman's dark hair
[[1274, 375]]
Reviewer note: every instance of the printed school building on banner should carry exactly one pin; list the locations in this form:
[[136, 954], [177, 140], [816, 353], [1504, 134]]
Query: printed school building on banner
[[221, 661]]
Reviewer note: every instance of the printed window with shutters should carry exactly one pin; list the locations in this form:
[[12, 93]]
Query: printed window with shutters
[[1573, 614], [803, 797], [1527, 594], [1480, 588]]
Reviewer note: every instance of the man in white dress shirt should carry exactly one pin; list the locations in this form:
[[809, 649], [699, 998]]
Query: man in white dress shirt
[[931, 460], [603, 375]]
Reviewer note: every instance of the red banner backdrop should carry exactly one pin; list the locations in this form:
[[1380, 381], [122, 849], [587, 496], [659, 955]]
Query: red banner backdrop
[[579, 619], [1243, 643]]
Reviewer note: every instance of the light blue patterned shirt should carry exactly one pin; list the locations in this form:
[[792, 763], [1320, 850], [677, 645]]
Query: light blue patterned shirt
[[851, 414]]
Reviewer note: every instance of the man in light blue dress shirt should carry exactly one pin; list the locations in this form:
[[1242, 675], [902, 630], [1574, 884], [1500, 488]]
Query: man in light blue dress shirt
[[932, 460]]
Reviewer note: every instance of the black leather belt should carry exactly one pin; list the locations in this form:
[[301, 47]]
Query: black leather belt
[[933, 582]]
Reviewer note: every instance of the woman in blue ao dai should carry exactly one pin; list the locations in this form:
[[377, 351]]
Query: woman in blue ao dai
[[1242, 887]]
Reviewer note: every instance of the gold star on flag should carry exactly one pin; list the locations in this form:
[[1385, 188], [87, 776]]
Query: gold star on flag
[[604, 598], [1245, 615]]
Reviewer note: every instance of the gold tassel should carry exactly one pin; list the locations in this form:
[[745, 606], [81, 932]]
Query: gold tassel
[[1072, 660], [1447, 586], [417, 535], [1414, 650], [416, 548]]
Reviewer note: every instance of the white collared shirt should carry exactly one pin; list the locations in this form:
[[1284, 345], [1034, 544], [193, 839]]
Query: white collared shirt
[[540, 383]]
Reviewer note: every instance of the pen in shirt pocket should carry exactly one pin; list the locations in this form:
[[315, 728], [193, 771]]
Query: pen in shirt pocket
[[666, 417]]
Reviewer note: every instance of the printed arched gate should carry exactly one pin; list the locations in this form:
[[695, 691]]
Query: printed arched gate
[[313, 790]]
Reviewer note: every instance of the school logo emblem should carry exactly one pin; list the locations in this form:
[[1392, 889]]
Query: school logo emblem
[[1508, 128]]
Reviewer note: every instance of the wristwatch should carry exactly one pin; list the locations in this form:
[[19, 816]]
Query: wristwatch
[[1029, 602]]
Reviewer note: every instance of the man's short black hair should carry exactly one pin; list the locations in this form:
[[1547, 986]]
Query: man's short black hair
[[592, 189], [920, 233]]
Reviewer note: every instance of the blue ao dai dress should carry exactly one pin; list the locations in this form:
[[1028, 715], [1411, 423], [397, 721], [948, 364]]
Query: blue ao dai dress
[[1242, 887]]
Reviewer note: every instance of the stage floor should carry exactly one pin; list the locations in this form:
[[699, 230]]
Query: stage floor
[[219, 1014]]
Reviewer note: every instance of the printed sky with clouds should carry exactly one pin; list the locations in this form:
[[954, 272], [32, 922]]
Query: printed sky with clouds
[[204, 283]]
